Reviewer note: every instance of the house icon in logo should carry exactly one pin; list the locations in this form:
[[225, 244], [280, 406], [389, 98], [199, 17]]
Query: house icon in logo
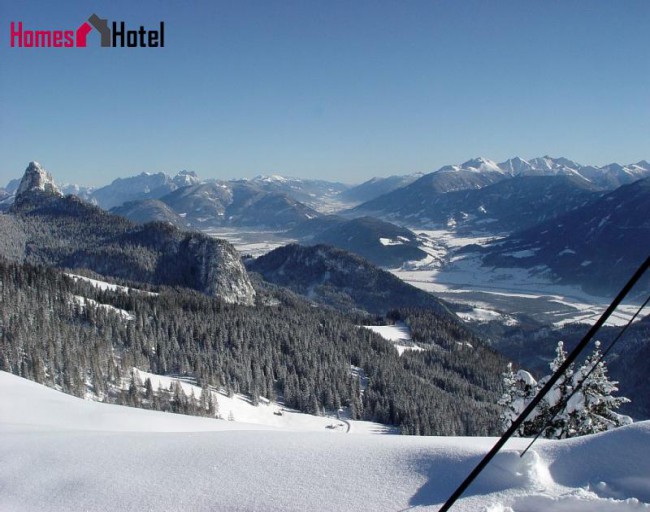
[[101, 25]]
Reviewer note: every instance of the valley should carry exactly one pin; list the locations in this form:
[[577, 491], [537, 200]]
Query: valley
[[250, 241], [493, 294], [459, 276]]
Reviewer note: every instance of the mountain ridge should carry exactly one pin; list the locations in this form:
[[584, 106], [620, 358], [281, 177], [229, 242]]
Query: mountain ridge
[[43, 227], [598, 245]]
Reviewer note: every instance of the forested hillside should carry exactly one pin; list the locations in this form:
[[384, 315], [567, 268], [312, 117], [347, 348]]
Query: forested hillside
[[286, 349], [337, 278], [45, 228]]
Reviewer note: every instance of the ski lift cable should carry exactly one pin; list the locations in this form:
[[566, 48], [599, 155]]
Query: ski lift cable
[[591, 370], [547, 387]]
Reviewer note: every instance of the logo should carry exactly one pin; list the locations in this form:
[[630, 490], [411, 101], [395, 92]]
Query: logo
[[117, 35]]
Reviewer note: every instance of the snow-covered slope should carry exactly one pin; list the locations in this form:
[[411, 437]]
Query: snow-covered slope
[[63, 454], [399, 335], [597, 246], [239, 410], [378, 186]]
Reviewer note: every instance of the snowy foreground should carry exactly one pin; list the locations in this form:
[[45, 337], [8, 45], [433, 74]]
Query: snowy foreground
[[58, 452]]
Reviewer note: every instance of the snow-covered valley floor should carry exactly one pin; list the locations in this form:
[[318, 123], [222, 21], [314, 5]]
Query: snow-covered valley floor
[[492, 294], [504, 293], [251, 242], [61, 453]]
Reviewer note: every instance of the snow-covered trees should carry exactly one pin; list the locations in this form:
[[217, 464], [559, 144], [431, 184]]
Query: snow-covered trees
[[594, 405], [581, 401], [301, 353], [520, 389]]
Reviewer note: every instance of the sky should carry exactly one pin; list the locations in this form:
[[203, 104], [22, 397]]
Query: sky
[[337, 90]]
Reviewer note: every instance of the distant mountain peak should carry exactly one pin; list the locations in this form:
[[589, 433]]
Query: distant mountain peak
[[478, 161], [271, 178], [548, 162], [149, 173], [614, 167], [516, 166], [477, 165], [36, 179], [184, 178]]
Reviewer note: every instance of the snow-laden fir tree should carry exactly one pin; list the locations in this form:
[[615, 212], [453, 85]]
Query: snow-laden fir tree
[[593, 407], [557, 421], [580, 402], [520, 389]]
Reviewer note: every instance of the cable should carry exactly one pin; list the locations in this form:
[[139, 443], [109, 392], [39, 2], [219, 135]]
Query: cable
[[579, 386], [547, 387]]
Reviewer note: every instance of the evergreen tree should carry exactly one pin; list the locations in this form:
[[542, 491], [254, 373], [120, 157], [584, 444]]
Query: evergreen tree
[[556, 420], [148, 387], [579, 403], [134, 392], [594, 407], [519, 389]]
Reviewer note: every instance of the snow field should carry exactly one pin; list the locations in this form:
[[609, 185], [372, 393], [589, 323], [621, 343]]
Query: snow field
[[484, 314], [59, 454], [103, 285], [399, 334], [265, 415], [82, 301], [255, 243]]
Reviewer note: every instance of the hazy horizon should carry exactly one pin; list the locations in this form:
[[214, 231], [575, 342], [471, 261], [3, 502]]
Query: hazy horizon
[[174, 172]]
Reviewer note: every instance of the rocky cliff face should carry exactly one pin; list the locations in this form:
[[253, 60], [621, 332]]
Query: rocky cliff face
[[36, 179], [220, 271]]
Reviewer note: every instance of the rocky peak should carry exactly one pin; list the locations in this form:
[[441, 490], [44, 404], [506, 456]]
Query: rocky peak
[[516, 166], [643, 164], [36, 179], [185, 178]]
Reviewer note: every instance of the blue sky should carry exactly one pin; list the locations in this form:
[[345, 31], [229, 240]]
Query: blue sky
[[340, 90]]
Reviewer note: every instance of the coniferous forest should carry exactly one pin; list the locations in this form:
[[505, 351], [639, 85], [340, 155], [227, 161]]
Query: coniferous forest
[[70, 335]]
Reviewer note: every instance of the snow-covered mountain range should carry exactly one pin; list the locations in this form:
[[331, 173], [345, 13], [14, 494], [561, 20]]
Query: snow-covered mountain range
[[437, 199], [143, 186], [314, 193]]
